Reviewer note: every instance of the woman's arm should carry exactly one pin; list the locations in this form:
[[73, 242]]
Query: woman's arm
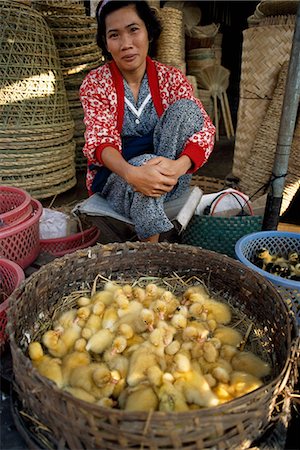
[[152, 180]]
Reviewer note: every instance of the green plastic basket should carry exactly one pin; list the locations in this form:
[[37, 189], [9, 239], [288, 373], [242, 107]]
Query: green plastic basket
[[220, 234]]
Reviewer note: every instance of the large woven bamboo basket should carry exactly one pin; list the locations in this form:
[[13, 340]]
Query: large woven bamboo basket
[[69, 423], [265, 49], [36, 127], [75, 38]]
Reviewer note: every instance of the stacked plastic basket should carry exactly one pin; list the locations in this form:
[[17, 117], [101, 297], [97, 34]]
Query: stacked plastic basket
[[19, 226], [280, 243]]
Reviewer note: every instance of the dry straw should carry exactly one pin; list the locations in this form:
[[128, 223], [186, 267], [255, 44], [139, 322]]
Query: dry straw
[[265, 49], [234, 425]]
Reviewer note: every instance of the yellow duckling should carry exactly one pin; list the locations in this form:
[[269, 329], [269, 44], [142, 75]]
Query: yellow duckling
[[171, 399], [56, 347], [241, 383], [125, 330], [229, 336], [250, 363], [65, 320], [142, 398], [46, 366], [118, 345], [218, 311], [139, 363], [179, 321], [172, 303], [79, 345], [72, 360], [84, 301], [100, 341], [139, 294], [110, 318], [196, 389], [81, 394]]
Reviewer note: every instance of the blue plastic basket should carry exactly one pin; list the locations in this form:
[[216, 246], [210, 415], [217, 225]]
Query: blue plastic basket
[[276, 242]]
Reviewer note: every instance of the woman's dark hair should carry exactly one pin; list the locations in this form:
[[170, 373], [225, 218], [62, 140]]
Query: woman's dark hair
[[145, 13]]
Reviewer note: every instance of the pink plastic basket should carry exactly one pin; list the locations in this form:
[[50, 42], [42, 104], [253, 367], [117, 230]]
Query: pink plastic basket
[[62, 246], [15, 206], [21, 243], [11, 276]]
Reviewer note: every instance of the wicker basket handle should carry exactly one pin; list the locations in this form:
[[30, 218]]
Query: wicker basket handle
[[236, 194]]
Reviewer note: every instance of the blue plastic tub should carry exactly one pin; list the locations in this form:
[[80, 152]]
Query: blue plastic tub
[[276, 242]]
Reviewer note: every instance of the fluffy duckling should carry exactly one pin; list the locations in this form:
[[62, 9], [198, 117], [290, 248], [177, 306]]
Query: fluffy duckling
[[93, 323], [263, 257], [132, 307], [79, 345], [196, 389], [228, 336], [83, 313], [295, 272], [46, 366], [179, 321], [139, 322], [160, 308], [65, 320], [105, 381], [154, 376], [210, 353], [128, 290], [171, 399], [139, 294], [196, 332], [153, 292], [173, 348], [116, 362], [73, 360], [171, 302], [56, 347], [81, 394], [241, 383], [143, 398], [139, 363], [197, 294], [125, 330], [84, 301], [70, 335], [223, 392], [227, 352], [118, 345], [221, 374], [98, 308], [198, 311], [106, 296], [218, 311], [100, 341], [110, 318], [250, 363]]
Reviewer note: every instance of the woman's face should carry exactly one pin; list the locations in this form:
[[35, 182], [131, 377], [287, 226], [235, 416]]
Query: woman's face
[[127, 39]]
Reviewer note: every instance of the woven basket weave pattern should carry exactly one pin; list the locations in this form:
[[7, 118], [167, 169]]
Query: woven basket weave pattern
[[265, 49], [236, 423]]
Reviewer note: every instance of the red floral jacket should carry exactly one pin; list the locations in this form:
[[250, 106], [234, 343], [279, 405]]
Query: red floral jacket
[[102, 98]]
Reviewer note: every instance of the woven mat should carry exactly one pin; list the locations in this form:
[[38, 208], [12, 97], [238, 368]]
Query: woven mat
[[265, 49], [258, 168]]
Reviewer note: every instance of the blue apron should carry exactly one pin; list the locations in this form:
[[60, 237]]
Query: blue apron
[[131, 147]]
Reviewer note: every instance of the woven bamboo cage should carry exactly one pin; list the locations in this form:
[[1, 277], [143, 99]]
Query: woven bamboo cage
[[265, 49], [170, 47], [66, 422], [258, 168], [75, 39], [35, 117]]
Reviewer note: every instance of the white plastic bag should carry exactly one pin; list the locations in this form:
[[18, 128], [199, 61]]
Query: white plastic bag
[[53, 224]]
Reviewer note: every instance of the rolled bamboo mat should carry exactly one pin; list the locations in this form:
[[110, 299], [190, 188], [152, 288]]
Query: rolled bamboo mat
[[258, 168], [171, 43], [265, 49]]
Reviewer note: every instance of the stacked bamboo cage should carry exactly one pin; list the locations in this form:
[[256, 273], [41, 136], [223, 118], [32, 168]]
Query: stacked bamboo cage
[[75, 37], [36, 128]]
